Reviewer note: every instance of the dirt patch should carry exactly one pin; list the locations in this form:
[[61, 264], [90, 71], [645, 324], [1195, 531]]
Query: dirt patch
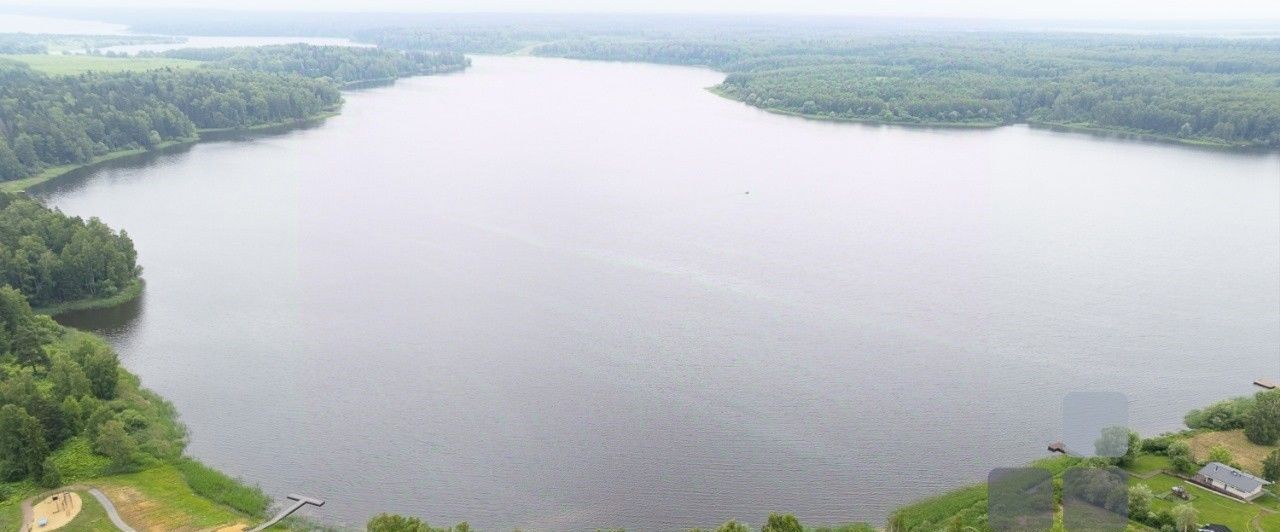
[[1248, 455], [55, 511]]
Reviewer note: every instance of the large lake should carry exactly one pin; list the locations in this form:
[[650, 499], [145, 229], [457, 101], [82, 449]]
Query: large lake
[[564, 295]]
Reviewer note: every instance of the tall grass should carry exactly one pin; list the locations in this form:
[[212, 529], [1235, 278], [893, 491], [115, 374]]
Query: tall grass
[[218, 487]]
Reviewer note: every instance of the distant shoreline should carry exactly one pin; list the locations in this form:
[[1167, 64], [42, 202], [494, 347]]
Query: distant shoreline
[[1078, 128]]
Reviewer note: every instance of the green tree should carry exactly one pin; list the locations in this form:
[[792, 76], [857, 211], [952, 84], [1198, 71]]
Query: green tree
[[1184, 518], [782, 523], [399, 523], [1271, 466], [50, 476], [22, 443], [733, 526], [68, 379], [116, 443], [1180, 456], [1263, 424], [103, 370], [1140, 501]]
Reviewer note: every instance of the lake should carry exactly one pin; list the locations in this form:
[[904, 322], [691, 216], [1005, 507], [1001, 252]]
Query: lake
[[563, 295]]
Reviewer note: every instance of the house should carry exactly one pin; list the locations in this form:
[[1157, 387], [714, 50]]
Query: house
[[1215, 528], [1230, 481]]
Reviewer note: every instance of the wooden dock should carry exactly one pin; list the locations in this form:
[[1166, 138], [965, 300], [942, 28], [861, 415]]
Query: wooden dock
[[1264, 383], [1057, 447]]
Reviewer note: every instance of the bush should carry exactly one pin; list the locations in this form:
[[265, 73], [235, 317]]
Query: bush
[[1231, 414]]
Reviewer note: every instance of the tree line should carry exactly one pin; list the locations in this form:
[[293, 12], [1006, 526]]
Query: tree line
[[48, 121], [342, 64], [52, 258], [1212, 90], [60, 387]]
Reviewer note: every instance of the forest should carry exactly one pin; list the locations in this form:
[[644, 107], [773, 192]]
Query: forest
[[48, 121], [339, 63], [53, 258], [1197, 90], [62, 389]]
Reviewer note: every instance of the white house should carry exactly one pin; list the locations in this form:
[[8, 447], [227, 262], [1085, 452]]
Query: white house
[[1231, 481]]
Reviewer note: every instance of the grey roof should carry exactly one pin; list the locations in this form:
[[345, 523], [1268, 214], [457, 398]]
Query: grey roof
[[1233, 477]]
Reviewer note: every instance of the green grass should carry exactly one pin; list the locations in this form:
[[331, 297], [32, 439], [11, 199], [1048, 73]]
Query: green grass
[[1148, 464], [129, 293], [159, 499], [218, 487], [11, 506], [92, 516], [1213, 508], [62, 65], [76, 461]]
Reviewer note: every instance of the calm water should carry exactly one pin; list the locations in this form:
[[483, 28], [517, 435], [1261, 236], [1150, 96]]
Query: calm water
[[539, 294]]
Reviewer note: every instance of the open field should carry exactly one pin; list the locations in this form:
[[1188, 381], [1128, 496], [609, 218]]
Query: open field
[[1246, 453], [76, 64]]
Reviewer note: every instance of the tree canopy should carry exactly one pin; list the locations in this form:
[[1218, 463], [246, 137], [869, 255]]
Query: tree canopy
[[52, 258]]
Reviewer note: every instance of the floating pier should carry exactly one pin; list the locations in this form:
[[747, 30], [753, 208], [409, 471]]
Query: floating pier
[[1264, 383], [1057, 447]]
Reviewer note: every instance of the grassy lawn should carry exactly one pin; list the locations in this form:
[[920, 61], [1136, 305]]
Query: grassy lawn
[[92, 517], [1148, 464], [76, 64], [1213, 508], [1246, 453], [11, 507]]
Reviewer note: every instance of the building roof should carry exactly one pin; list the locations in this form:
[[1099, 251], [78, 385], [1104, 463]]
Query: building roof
[[1232, 477], [1215, 528]]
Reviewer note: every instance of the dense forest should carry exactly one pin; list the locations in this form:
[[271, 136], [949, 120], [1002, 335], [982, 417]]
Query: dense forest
[[54, 120], [53, 258], [65, 389], [338, 63], [1210, 90]]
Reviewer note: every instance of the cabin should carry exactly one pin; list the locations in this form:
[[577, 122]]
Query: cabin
[[1230, 481]]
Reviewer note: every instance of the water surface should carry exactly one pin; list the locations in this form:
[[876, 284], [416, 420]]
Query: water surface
[[563, 295]]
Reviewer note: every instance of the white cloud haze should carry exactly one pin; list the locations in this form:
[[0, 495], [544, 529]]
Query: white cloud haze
[[1017, 9]]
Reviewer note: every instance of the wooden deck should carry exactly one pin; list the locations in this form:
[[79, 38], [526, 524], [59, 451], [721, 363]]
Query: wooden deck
[[1264, 383]]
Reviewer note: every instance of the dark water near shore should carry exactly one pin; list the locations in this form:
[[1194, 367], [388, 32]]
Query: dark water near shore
[[539, 295]]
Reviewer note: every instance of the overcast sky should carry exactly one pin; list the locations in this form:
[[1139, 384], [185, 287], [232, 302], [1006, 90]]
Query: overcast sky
[[1033, 9]]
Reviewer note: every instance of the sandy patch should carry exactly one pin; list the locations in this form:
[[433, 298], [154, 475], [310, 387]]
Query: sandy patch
[[55, 511]]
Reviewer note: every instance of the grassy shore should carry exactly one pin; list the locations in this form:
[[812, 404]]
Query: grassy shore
[[130, 293]]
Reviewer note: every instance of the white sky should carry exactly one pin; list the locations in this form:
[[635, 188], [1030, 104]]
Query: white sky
[[1019, 9]]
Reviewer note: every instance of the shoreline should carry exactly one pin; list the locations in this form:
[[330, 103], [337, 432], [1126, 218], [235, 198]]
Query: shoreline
[[202, 135], [1038, 124], [129, 293]]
